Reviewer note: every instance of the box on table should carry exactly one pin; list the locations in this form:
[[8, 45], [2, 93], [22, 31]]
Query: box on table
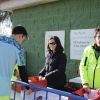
[[32, 80], [18, 87]]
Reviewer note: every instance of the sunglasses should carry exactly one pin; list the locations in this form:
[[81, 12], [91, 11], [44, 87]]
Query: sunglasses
[[52, 43]]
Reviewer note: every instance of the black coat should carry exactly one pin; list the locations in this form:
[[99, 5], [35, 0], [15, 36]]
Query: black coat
[[54, 70]]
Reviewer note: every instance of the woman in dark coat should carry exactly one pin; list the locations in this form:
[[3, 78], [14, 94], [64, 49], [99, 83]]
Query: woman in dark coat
[[55, 65]]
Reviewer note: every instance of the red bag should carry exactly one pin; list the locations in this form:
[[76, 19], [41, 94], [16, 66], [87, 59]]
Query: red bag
[[70, 87], [81, 93]]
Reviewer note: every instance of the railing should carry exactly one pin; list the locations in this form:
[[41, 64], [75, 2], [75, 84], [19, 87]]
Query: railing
[[60, 93]]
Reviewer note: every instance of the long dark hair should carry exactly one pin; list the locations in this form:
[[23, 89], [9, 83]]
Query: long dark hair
[[59, 47]]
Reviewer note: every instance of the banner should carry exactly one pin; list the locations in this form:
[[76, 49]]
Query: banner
[[79, 39]]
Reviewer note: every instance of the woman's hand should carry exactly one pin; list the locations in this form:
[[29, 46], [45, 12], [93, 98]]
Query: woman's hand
[[41, 78], [86, 87]]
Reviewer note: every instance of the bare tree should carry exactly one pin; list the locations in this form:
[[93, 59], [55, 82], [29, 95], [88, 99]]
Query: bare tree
[[5, 22], [4, 15]]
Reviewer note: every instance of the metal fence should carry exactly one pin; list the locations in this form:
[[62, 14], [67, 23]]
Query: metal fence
[[58, 92]]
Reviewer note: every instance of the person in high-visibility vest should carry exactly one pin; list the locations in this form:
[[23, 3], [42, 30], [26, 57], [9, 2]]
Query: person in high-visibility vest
[[90, 65], [16, 75]]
